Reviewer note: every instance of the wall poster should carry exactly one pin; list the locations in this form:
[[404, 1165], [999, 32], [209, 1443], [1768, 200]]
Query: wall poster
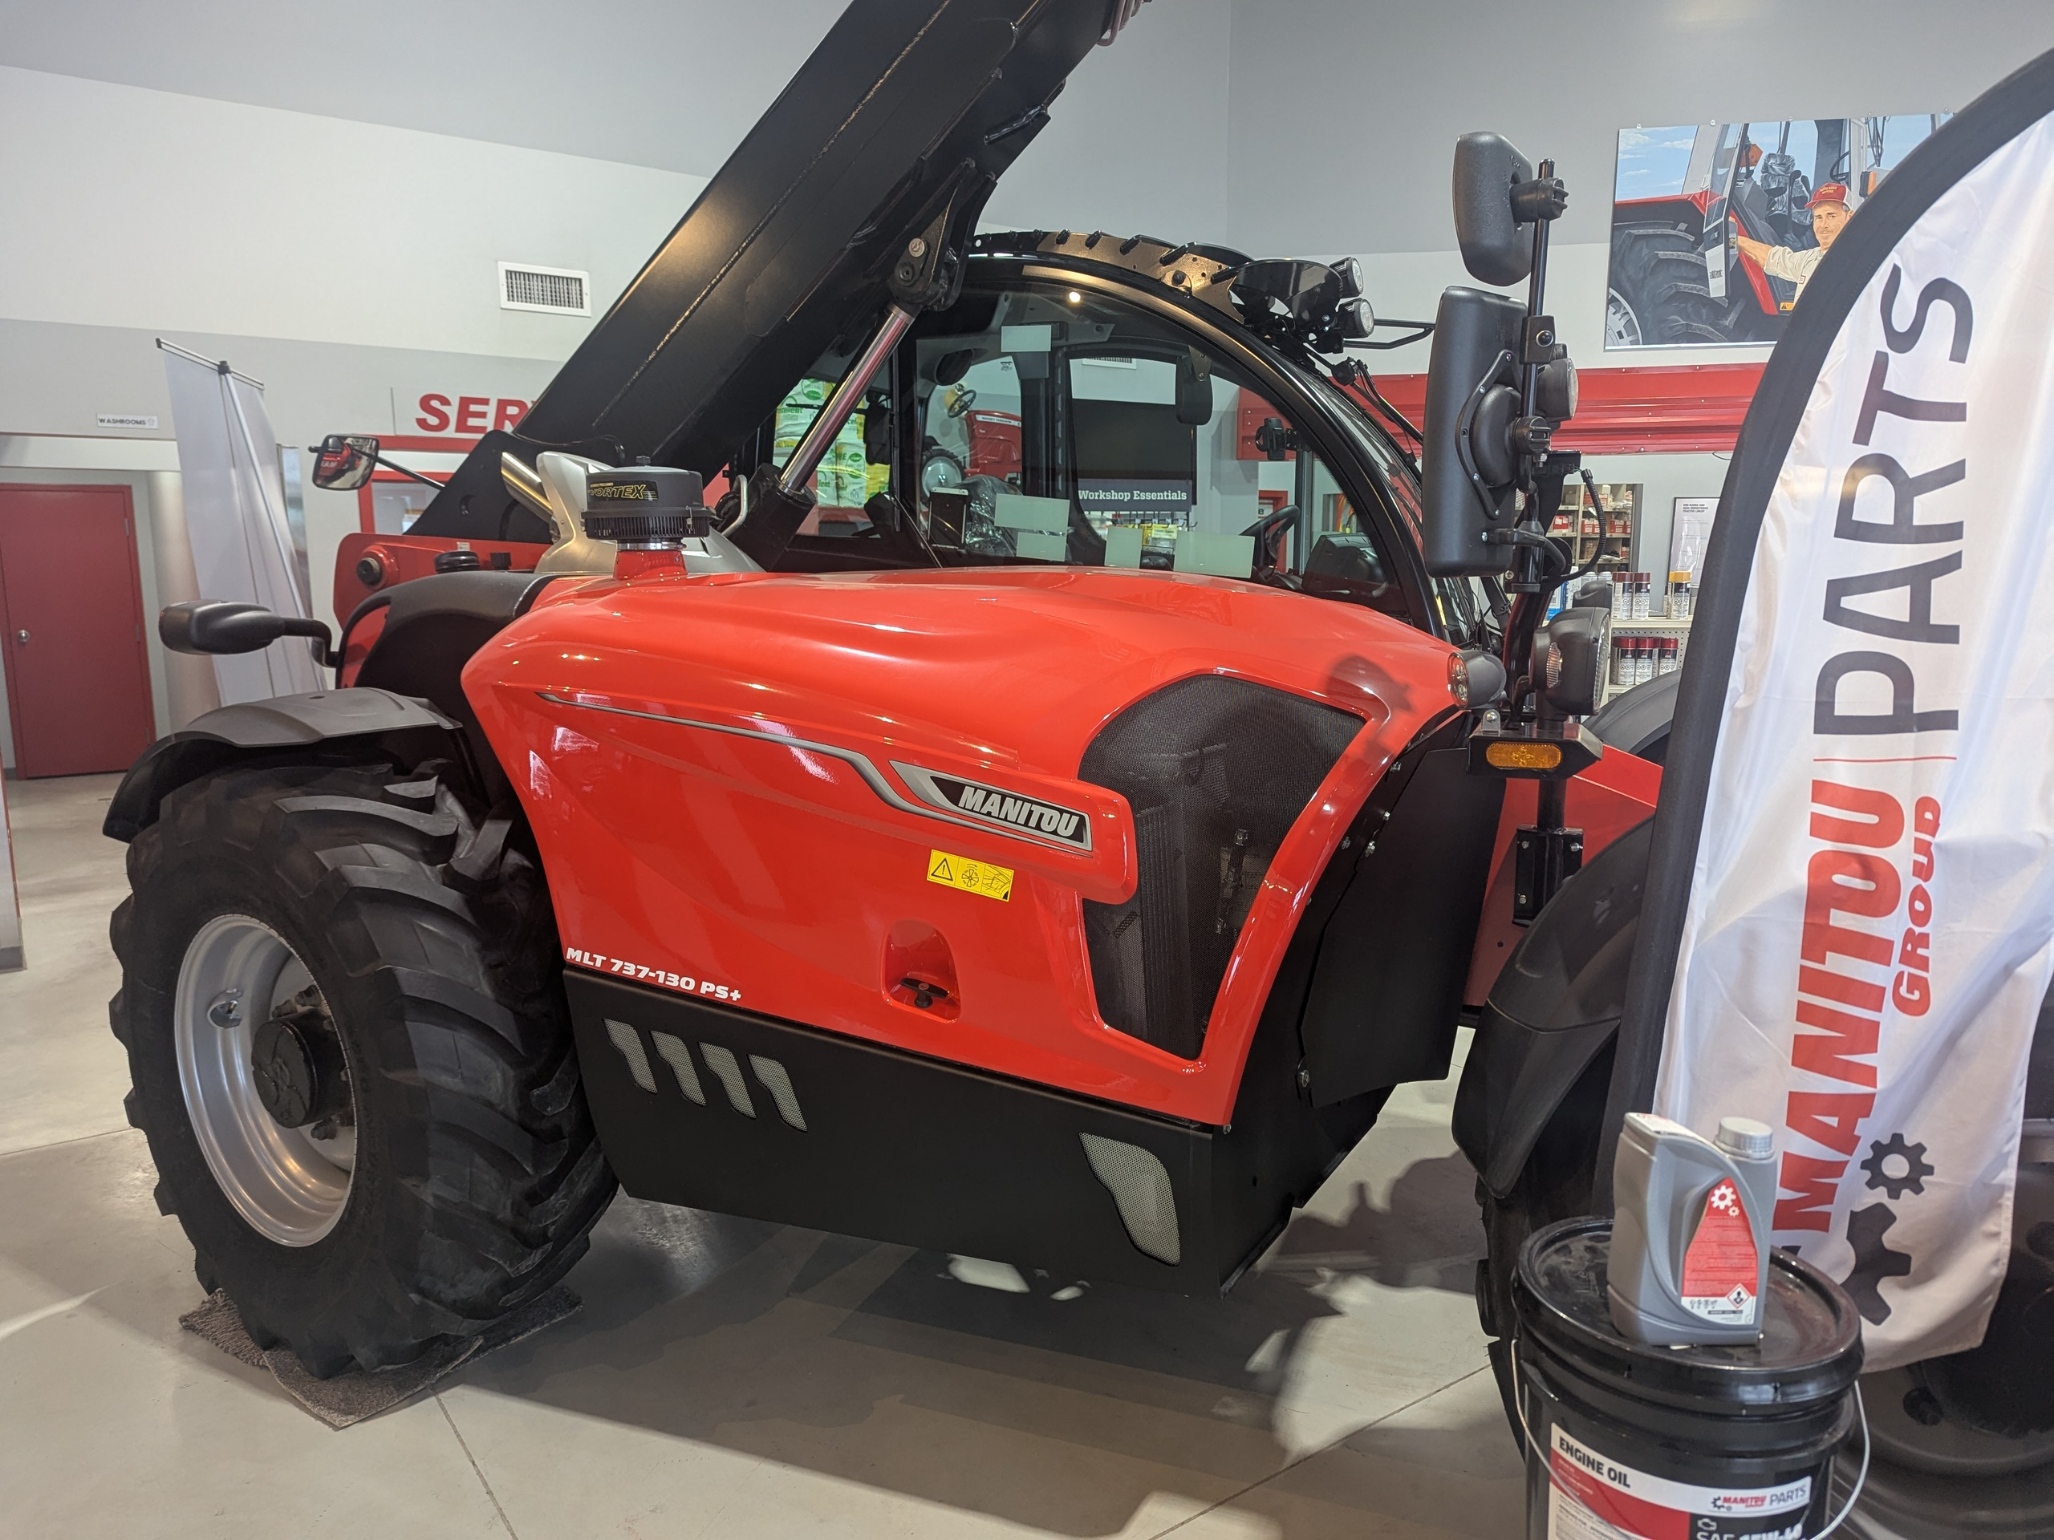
[[1717, 227], [1690, 531]]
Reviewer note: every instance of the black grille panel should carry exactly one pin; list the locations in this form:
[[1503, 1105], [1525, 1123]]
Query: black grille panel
[[1216, 771]]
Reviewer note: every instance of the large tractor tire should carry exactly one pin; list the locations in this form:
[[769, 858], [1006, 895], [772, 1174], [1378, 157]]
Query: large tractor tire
[[1660, 296], [342, 1002]]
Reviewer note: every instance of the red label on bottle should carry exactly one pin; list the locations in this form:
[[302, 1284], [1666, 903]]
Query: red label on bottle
[[1722, 1265]]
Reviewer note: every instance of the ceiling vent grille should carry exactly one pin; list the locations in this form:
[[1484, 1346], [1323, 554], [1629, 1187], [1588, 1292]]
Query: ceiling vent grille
[[557, 290]]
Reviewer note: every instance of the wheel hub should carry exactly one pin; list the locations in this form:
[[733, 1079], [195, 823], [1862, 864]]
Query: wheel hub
[[297, 1066], [266, 1080]]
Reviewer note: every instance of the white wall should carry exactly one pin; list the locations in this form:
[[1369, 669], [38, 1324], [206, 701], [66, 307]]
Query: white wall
[[1139, 139], [666, 83], [138, 208]]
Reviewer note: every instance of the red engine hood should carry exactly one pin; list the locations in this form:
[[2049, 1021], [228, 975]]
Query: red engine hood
[[1017, 667], [724, 776]]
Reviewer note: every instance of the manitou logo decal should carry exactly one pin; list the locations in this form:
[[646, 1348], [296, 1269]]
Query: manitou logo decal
[[991, 804]]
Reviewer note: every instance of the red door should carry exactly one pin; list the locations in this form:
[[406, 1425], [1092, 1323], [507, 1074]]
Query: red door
[[71, 630]]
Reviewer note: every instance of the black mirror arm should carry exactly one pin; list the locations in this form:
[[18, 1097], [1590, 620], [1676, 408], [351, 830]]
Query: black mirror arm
[[1543, 191], [1544, 198], [426, 481], [326, 654], [210, 627]]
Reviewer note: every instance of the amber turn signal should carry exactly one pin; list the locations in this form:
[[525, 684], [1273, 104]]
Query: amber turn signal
[[1510, 754]]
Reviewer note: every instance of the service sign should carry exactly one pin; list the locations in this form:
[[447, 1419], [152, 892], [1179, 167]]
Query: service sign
[[1863, 825]]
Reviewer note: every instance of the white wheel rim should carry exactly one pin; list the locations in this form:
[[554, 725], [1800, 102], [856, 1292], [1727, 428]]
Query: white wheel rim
[[1622, 326], [289, 1186]]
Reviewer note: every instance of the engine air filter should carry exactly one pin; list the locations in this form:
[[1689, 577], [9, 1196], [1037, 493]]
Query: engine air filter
[[645, 506]]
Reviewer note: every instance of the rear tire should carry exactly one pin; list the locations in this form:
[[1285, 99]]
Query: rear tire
[[1555, 1183], [1659, 293], [475, 1174]]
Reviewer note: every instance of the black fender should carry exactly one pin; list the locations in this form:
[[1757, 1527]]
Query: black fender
[[1638, 719], [287, 726], [1553, 1010]]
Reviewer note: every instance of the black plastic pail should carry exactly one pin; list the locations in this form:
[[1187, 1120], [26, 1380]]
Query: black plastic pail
[[1696, 1443]]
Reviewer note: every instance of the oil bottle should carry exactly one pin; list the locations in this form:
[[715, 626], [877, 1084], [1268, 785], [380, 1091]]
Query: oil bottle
[[1690, 1240]]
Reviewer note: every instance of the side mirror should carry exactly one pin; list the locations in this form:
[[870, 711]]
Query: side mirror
[[205, 626], [1468, 469], [344, 461], [1496, 247], [1569, 662], [1194, 389]]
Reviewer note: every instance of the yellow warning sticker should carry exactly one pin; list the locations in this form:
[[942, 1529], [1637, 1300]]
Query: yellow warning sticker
[[979, 877]]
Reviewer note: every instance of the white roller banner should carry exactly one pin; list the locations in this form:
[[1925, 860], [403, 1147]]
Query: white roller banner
[[1866, 942], [235, 518]]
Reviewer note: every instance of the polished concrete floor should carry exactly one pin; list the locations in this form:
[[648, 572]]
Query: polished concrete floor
[[725, 1378]]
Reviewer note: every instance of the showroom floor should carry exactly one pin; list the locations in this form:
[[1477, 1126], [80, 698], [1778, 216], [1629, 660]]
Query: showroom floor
[[725, 1377]]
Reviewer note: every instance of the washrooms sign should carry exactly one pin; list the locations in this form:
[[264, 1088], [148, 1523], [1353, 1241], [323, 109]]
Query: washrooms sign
[[1854, 864]]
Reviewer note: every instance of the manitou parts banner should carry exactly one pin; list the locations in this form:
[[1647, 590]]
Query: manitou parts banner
[[1854, 863]]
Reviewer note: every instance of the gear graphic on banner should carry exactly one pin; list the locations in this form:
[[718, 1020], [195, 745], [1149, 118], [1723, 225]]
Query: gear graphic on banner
[[1873, 1261], [1893, 1182]]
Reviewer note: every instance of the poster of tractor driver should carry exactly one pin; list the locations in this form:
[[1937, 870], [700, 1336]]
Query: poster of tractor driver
[[1717, 227]]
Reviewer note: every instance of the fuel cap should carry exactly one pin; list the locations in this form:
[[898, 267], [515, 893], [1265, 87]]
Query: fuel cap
[[644, 506]]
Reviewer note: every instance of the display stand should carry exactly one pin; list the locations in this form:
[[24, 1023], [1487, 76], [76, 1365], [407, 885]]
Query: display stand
[[12, 955]]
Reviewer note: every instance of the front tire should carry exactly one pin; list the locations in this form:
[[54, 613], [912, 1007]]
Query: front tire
[[350, 947]]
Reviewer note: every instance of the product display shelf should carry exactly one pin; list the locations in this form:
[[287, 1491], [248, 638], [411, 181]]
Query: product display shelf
[[1654, 626]]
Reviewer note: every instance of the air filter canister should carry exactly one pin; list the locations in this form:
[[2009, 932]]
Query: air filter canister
[[645, 507]]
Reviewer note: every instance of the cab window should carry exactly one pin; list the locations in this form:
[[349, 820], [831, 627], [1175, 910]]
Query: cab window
[[1048, 425], [1054, 425], [855, 468]]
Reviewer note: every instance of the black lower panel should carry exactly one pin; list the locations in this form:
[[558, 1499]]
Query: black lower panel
[[842, 1135], [1393, 958]]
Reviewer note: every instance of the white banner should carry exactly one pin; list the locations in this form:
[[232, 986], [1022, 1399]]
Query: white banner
[[236, 519], [1867, 938]]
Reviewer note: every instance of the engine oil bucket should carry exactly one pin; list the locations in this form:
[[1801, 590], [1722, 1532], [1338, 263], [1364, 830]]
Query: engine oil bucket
[[1711, 1442]]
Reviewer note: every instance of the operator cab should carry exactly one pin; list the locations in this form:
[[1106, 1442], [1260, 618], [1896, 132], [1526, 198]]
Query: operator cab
[[1068, 409]]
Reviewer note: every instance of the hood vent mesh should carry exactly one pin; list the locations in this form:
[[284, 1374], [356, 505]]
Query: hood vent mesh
[[1216, 771]]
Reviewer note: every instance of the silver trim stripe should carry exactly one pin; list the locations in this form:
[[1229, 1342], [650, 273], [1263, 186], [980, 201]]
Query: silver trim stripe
[[861, 763]]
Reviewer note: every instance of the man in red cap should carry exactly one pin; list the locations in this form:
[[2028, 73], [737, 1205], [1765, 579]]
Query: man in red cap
[[1829, 214]]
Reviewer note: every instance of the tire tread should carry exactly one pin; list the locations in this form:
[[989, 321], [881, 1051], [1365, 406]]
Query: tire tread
[[470, 1036]]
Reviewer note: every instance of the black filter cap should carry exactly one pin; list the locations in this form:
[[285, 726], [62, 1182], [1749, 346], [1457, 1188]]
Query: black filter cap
[[645, 505]]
